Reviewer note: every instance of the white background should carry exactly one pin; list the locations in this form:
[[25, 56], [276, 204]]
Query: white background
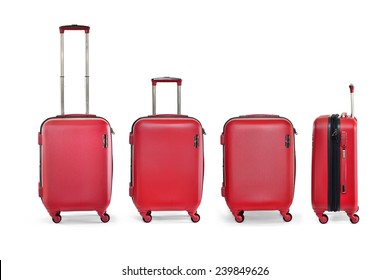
[[292, 58]]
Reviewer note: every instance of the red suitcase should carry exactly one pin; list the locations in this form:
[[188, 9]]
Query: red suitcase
[[259, 164], [334, 165], [75, 156], [167, 161]]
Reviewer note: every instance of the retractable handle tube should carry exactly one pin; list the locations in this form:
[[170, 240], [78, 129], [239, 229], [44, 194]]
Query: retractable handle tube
[[178, 81], [351, 90], [62, 31]]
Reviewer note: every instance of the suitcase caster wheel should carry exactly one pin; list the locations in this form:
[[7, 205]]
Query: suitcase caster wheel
[[147, 218], [287, 217], [195, 218], [355, 219], [105, 218], [57, 218], [323, 219], [240, 217]]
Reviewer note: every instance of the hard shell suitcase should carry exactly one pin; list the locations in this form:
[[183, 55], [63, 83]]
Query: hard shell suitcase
[[334, 165], [258, 164], [75, 156], [167, 161]]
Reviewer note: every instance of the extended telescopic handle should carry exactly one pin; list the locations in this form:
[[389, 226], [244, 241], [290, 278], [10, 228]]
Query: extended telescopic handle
[[351, 90], [86, 30], [178, 81]]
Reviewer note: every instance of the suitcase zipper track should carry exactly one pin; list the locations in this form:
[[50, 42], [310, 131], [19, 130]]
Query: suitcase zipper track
[[334, 163]]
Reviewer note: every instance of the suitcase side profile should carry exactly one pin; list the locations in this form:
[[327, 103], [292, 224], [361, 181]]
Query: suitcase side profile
[[259, 164], [334, 165], [167, 162], [75, 157]]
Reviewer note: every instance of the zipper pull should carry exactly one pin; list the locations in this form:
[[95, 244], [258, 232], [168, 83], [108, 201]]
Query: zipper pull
[[203, 131], [343, 144], [112, 131]]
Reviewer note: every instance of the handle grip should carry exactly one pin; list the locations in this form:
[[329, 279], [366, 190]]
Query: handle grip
[[351, 88], [74, 27], [166, 80]]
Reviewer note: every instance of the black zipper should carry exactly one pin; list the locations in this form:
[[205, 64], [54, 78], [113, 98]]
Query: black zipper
[[334, 163]]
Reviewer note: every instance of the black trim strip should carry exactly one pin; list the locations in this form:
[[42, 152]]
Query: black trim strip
[[334, 163]]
